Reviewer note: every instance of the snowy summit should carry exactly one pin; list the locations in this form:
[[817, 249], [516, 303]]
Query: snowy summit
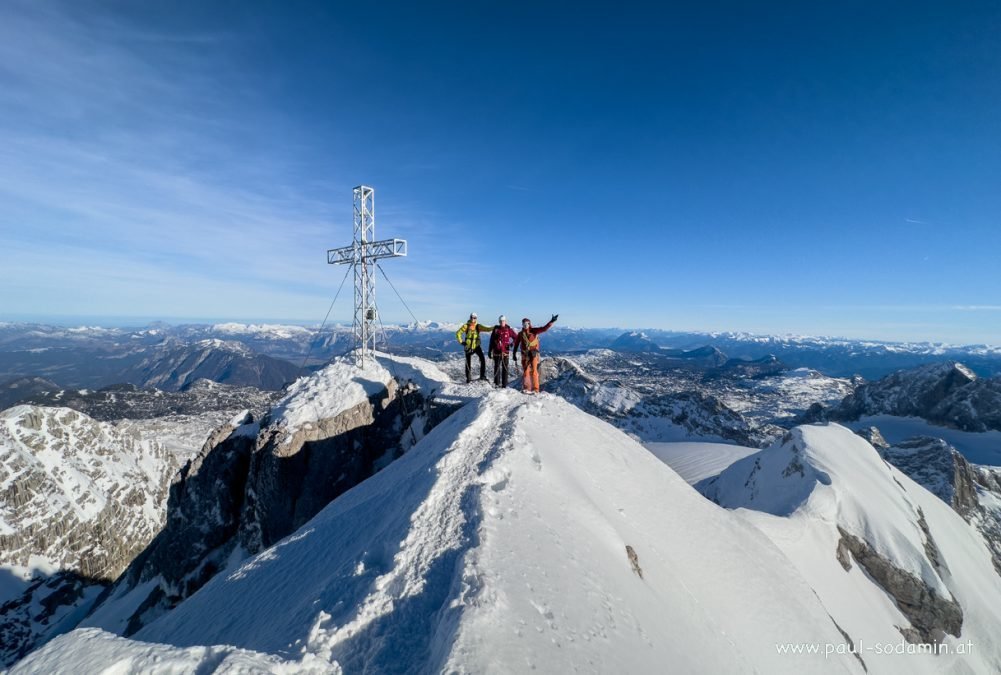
[[522, 533]]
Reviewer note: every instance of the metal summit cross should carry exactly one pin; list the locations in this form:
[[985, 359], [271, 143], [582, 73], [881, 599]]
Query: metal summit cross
[[363, 255]]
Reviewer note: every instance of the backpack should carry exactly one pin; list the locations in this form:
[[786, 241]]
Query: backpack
[[529, 343], [494, 348]]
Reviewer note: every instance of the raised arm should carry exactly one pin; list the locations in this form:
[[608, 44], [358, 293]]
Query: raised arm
[[543, 329]]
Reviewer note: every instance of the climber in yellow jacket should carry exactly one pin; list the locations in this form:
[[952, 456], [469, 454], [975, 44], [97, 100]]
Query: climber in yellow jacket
[[468, 336]]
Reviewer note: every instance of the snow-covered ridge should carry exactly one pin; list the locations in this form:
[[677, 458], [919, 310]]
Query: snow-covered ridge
[[328, 392], [518, 534], [887, 558], [523, 533], [332, 430], [809, 470], [343, 384]]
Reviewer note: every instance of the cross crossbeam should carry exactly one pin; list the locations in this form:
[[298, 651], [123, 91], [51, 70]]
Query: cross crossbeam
[[363, 254], [375, 250]]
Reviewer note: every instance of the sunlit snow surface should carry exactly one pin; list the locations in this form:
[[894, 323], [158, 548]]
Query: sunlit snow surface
[[498, 544], [695, 460]]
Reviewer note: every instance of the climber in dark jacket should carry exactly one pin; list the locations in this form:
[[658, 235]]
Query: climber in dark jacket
[[502, 338]]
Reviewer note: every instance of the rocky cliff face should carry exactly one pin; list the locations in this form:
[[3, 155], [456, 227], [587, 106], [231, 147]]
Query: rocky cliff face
[[943, 393], [939, 467], [255, 483], [974, 492], [79, 499], [77, 492]]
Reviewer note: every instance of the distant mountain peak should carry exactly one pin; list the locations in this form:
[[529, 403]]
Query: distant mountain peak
[[634, 341]]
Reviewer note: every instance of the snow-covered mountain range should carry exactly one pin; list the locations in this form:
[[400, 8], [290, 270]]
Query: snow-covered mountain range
[[110, 358], [654, 404], [386, 519], [160, 354], [80, 499]]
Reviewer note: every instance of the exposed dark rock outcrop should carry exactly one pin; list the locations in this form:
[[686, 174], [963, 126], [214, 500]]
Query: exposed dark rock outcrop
[[931, 615], [296, 473], [875, 438], [202, 520], [253, 484], [937, 466], [949, 394], [988, 516]]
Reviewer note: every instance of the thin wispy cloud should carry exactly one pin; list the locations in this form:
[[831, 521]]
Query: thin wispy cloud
[[134, 164], [198, 158]]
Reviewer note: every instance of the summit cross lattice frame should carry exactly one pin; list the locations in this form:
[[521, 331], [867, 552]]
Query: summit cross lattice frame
[[363, 254]]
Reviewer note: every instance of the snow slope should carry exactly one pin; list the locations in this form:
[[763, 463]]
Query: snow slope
[[820, 483], [328, 392], [91, 650], [502, 542], [695, 460]]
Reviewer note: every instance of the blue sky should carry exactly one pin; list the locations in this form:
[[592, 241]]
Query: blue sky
[[823, 168]]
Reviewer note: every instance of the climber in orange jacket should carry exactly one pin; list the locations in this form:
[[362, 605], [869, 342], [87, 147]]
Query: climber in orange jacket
[[527, 343]]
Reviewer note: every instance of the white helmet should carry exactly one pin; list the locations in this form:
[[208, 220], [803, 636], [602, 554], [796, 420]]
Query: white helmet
[[501, 319], [472, 315]]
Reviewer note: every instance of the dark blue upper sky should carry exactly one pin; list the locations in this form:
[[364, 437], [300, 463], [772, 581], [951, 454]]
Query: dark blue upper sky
[[784, 167]]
